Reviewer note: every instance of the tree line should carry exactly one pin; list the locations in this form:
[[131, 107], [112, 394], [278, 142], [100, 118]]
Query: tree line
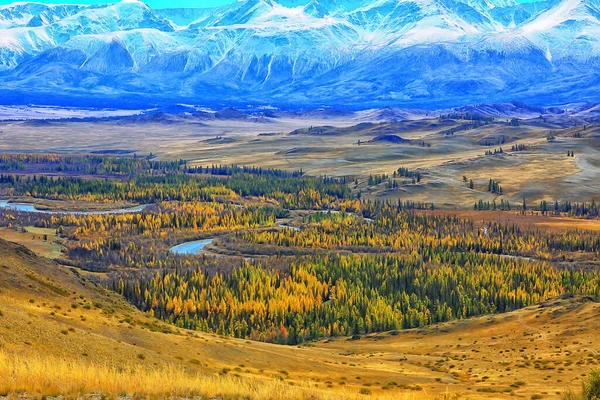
[[344, 295]]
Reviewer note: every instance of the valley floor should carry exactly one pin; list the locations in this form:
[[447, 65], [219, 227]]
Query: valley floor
[[63, 333], [443, 150]]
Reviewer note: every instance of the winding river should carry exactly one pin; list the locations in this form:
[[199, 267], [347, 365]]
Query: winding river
[[284, 226], [24, 207], [194, 247]]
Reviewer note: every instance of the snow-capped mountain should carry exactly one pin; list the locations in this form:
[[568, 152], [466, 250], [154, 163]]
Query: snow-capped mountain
[[354, 53]]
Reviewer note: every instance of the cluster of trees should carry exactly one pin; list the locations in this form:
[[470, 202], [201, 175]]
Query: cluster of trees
[[405, 172], [587, 210], [469, 182], [395, 230], [371, 209], [375, 180], [143, 189], [476, 121], [333, 295], [391, 182], [490, 142], [518, 147], [504, 205], [463, 127], [229, 170], [306, 193], [85, 164], [468, 117], [567, 208], [495, 152], [9, 180], [494, 187]]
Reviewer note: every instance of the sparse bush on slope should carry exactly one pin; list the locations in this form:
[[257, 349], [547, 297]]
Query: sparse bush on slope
[[590, 388]]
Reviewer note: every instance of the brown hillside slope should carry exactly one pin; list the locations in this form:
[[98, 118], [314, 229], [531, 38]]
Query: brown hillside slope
[[542, 350], [60, 333]]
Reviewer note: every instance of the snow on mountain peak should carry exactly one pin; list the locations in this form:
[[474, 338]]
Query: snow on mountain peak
[[564, 11], [383, 49], [570, 29]]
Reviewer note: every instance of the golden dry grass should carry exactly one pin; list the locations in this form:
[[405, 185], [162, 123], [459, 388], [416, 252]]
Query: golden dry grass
[[51, 376], [542, 350], [33, 239]]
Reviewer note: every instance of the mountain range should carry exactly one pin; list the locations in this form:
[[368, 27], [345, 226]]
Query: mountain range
[[297, 53]]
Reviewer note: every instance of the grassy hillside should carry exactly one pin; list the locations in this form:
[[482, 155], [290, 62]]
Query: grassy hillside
[[61, 333]]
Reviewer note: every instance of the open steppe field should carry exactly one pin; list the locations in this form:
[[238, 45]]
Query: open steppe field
[[61, 333], [42, 241], [443, 150]]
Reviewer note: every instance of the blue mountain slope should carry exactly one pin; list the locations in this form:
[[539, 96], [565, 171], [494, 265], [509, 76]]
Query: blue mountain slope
[[353, 53]]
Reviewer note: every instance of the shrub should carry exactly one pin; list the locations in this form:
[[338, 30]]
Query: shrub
[[591, 386]]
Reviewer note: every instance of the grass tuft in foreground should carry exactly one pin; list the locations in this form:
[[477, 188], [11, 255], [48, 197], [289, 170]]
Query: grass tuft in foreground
[[590, 388], [52, 376]]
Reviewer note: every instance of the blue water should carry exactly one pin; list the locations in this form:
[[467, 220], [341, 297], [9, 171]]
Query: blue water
[[288, 227], [194, 247], [31, 208]]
